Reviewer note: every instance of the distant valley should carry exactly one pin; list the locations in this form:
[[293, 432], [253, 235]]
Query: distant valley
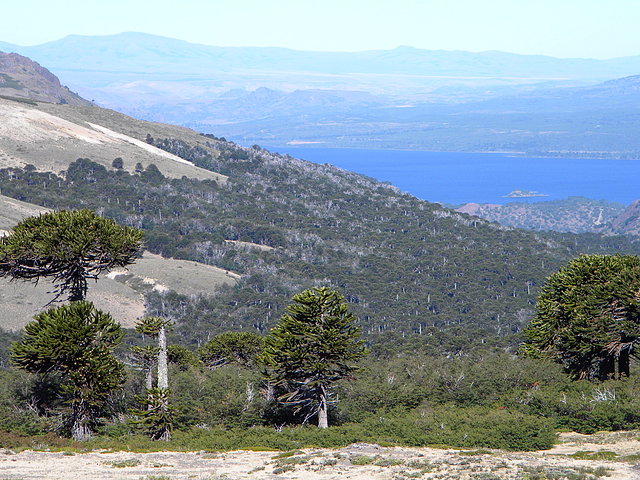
[[401, 99]]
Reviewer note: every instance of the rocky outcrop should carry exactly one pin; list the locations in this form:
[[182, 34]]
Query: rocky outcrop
[[574, 214], [628, 221], [22, 78]]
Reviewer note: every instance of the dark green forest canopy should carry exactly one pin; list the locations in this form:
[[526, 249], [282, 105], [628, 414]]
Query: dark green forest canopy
[[404, 265]]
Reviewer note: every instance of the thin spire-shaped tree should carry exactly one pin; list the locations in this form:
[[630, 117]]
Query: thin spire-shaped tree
[[158, 413]]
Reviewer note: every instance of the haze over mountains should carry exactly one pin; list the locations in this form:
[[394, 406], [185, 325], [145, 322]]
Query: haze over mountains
[[271, 111], [402, 98]]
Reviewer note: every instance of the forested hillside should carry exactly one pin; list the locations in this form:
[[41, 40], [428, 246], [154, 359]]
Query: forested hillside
[[405, 265], [440, 297], [573, 214]]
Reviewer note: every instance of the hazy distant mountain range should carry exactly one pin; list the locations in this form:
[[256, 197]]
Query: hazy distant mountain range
[[400, 98], [123, 52]]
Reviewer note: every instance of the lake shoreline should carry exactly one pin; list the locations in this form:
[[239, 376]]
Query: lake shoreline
[[456, 178]]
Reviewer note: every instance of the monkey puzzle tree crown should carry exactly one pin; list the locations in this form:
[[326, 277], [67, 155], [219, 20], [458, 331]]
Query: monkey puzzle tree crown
[[76, 341], [314, 345], [588, 316], [69, 246]]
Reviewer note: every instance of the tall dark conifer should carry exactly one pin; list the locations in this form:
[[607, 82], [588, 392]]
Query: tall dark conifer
[[588, 316], [314, 345], [76, 341]]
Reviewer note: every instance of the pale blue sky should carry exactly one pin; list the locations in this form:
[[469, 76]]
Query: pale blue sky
[[562, 28]]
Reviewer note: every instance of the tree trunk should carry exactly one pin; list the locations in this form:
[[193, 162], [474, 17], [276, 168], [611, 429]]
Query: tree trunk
[[81, 431], [148, 381], [163, 381], [163, 371], [623, 363], [323, 421], [607, 368], [78, 289], [148, 376]]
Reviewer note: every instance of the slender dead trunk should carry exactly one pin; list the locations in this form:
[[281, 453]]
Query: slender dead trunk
[[163, 381], [148, 380], [163, 370], [323, 420]]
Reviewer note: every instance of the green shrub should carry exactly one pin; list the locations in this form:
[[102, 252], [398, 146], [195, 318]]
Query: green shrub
[[601, 455], [361, 460]]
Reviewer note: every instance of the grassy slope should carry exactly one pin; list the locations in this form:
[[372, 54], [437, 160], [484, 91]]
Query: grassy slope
[[51, 136]]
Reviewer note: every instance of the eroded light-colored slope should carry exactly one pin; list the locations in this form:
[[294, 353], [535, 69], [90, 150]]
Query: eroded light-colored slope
[[138, 143], [12, 211], [29, 134], [20, 301], [154, 272]]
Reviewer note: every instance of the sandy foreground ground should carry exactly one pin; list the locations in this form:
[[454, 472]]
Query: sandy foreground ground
[[356, 462]]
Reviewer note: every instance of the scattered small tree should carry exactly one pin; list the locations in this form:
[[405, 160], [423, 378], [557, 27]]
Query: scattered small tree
[[152, 174], [588, 316], [118, 163], [182, 357], [157, 417], [69, 247], [76, 341], [146, 357], [314, 345]]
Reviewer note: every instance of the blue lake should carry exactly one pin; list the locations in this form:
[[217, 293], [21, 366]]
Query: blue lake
[[456, 178]]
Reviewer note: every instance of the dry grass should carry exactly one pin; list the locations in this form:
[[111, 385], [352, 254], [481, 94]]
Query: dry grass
[[51, 136], [13, 211], [120, 293]]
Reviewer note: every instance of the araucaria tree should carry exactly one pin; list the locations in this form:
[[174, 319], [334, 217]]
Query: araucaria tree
[[157, 417], [77, 342], [588, 316], [69, 247], [314, 345], [240, 348]]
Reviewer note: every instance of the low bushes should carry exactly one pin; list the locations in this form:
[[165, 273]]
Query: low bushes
[[446, 425]]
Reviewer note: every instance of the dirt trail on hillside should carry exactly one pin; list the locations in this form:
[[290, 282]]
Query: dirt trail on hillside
[[356, 462]]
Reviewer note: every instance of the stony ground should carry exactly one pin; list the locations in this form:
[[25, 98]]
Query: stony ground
[[577, 457]]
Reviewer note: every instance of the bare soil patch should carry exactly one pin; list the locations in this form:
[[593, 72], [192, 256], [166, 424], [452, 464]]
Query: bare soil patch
[[355, 462]]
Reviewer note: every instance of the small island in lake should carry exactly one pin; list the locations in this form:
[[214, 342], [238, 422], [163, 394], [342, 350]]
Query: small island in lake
[[524, 194]]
